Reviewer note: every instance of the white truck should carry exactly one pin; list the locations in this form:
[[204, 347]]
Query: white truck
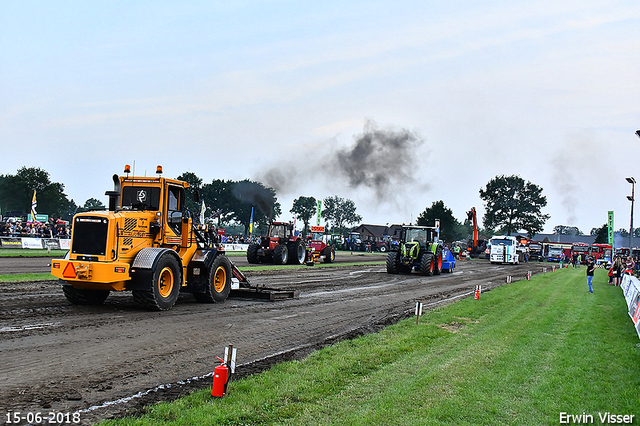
[[503, 249]]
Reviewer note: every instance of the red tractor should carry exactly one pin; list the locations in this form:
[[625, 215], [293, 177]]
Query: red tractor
[[280, 246], [319, 247]]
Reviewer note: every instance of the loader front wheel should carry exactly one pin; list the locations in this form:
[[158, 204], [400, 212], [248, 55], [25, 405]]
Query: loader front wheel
[[219, 285], [165, 285], [81, 296]]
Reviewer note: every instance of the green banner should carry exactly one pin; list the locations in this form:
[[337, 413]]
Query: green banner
[[610, 225], [319, 209]]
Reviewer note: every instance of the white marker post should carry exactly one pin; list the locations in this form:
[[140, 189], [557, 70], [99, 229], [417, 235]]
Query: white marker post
[[418, 311], [231, 363]]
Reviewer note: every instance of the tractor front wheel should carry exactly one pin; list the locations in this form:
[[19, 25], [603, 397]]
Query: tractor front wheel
[[437, 270], [329, 254], [297, 253], [392, 262], [252, 253], [427, 264], [280, 255]]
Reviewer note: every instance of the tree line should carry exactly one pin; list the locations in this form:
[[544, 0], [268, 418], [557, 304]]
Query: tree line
[[511, 205]]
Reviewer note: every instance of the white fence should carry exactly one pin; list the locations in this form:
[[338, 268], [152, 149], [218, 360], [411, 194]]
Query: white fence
[[63, 244], [34, 243], [631, 287]]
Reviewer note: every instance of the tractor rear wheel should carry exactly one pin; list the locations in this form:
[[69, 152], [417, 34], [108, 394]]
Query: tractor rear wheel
[[392, 262], [280, 255], [297, 253], [329, 254], [252, 253], [81, 296], [427, 264], [219, 285], [165, 285]]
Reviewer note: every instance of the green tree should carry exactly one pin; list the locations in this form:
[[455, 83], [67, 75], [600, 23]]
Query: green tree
[[512, 204], [217, 197], [195, 185], [339, 212], [16, 193], [304, 208], [91, 204], [450, 228], [602, 234], [566, 230]]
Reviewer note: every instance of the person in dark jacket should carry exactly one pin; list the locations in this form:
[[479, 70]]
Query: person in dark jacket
[[591, 267]]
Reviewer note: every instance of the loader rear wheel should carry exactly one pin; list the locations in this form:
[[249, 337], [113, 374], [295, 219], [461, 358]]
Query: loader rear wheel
[[81, 296], [165, 285], [297, 253], [252, 253], [427, 266], [219, 285], [280, 255], [392, 262], [329, 254]]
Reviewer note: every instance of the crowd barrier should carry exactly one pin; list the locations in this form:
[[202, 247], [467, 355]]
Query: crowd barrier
[[631, 287], [235, 247], [34, 243], [63, 244]]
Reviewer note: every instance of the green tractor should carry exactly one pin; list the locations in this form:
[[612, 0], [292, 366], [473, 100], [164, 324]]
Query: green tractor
[[418, 248]]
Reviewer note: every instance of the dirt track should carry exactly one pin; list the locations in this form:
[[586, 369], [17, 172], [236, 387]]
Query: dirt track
[[57, 357]]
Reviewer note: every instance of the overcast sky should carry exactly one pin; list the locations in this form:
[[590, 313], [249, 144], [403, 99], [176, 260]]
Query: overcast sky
[[282, 91]]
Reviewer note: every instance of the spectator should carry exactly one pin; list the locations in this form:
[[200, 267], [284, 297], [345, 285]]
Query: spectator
[[591, 267]]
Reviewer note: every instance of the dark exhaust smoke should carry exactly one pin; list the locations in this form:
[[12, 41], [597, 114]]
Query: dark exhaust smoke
[[380, 159], [384, 161], [255, 194]]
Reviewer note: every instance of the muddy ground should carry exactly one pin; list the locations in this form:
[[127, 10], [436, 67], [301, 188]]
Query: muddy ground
[[57, 357]]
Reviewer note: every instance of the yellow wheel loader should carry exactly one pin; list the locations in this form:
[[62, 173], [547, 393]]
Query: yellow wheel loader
[[146, 243]]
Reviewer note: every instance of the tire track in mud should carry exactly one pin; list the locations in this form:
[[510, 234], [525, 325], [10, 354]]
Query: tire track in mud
[[87, 356]]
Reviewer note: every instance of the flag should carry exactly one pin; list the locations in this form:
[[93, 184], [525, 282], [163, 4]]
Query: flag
[[610, 226], [34, 204], [319, 211], [251, 222], [202, 210]]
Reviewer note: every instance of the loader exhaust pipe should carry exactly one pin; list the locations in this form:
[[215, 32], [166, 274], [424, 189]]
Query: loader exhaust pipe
[[114, 196]]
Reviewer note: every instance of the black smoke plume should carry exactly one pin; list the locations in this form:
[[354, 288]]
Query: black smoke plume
[[255, 194], [384, 161], [380, 159]]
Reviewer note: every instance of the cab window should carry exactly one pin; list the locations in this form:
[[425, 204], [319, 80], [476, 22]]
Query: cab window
[[175, 197]]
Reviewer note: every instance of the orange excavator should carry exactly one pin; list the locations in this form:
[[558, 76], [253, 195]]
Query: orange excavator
[[473, 250]]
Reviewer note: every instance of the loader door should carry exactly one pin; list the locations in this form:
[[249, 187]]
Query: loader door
[[175, 202]]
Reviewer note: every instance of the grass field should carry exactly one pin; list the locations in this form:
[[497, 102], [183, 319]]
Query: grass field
[[31, 253], [61, 253], [520, 355]]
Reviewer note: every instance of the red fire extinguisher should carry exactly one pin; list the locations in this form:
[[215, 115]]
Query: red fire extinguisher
[[220, 380]]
